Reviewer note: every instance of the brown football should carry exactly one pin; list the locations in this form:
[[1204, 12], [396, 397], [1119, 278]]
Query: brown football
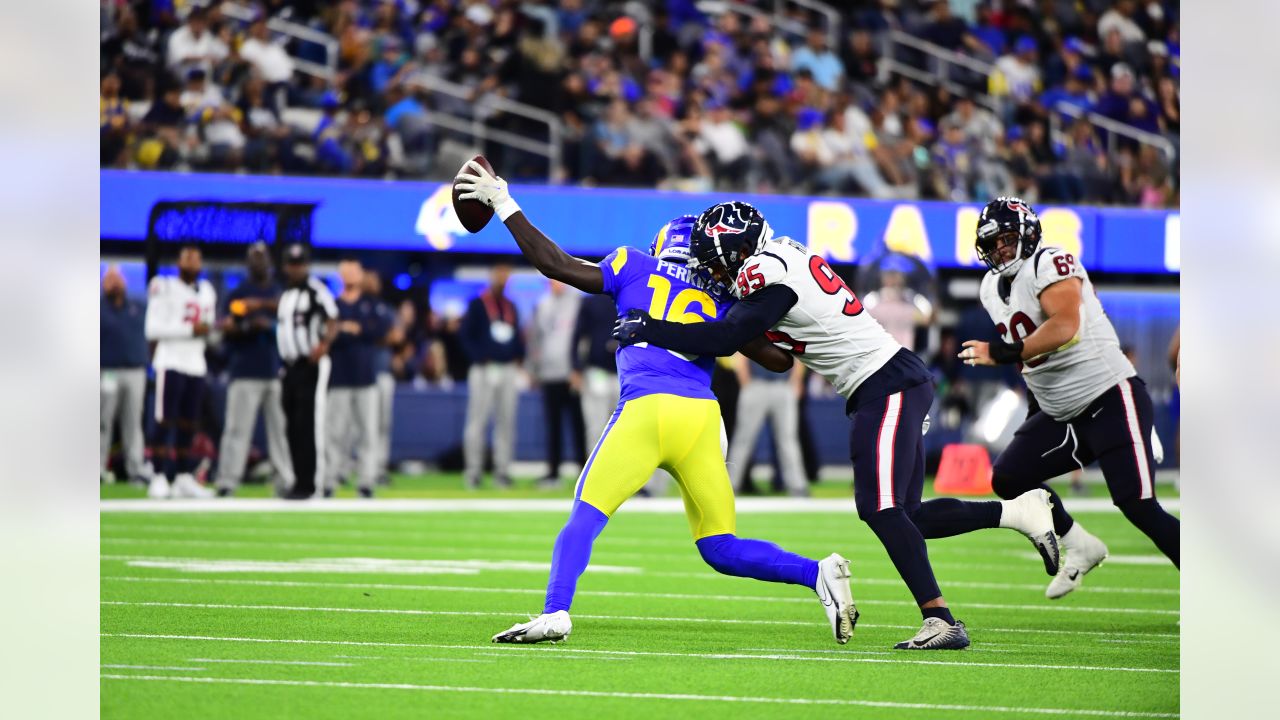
[[473, 213]]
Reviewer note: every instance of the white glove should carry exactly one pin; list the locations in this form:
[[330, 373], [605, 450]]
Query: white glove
[[488, 189]]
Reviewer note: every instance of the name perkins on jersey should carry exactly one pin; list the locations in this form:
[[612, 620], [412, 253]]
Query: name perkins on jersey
[[637, 280]]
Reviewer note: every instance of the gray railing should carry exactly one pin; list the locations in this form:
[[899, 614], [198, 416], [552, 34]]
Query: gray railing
[[1113, 130], [327, 70], [487, 104], [942, 64], [831, 14]]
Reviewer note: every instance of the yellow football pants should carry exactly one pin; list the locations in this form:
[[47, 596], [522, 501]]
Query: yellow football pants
[[678, 434]]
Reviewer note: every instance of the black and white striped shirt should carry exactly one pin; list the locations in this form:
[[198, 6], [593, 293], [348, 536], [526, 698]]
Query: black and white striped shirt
[[302, 313]]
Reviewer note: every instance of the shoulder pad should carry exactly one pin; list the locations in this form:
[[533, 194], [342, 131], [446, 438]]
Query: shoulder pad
[[767, 267]]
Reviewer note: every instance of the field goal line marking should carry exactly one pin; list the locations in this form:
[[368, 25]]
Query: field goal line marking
[[731, 656], [608, 593], [643, 696], [560, 505]]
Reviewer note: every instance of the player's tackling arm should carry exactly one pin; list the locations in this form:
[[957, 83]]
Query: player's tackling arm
[[767, 355], [546, 256], [745, 321]]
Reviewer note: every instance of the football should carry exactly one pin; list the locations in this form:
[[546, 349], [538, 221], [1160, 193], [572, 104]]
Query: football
[[473, 213]]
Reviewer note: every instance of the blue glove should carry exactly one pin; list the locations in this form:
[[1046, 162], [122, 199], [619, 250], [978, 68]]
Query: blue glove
[[629, 329]]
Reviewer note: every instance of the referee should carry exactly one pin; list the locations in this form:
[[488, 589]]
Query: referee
[[307, 320]]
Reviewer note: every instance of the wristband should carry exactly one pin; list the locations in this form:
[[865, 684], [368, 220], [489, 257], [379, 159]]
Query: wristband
[[1004, 353], [507, 209]]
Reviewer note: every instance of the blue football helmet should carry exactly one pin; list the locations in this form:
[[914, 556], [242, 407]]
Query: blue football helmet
[[672, 241]]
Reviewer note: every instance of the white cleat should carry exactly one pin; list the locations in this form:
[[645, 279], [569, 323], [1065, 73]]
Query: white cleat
[[1031, 514], [158, 488], [548, 627], [936, 634], [837, 599], [185, 486], [1084, 553]]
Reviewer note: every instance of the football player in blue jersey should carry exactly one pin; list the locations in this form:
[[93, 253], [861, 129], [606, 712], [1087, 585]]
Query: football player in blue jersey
[[667, 417]]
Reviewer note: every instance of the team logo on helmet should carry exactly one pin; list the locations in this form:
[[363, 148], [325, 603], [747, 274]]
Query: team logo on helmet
[[728, 220]]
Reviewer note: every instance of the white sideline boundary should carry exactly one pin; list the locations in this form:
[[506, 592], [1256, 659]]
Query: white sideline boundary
[[744, 505], [639, 696]]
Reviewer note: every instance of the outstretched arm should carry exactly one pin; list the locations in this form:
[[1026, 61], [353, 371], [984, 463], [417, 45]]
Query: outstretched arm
[[745, 321], [546, 256], [551, 260]]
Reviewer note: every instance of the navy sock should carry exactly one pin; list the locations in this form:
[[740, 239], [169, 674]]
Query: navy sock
[[946, 517], [1062, 521], [757, 559], [941, 613], [905, 545], [572, 553], [1157, 524]]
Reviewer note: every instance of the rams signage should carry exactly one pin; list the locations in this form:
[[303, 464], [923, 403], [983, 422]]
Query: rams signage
[[404, 215]]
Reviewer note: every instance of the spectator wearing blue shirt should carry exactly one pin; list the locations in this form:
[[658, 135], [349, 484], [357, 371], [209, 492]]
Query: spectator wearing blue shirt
[[122, 347], [821, 62], [352, 416], [490, 336], [249, 329]]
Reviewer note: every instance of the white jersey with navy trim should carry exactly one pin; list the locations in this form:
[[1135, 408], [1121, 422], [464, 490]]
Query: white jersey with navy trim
[[827, 329], [1065, 381], [174, 308]]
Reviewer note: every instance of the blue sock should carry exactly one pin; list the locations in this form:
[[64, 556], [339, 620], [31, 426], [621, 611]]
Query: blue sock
[[757, 559], [571, 554]]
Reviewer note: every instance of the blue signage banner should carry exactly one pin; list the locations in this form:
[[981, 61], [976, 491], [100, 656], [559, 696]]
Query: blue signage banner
[[405, 215]]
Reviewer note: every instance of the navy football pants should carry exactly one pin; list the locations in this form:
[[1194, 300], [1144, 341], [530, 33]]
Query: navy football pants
[[886, 443]]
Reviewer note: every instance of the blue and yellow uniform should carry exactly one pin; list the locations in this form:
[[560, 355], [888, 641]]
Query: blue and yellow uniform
[[667, 416]]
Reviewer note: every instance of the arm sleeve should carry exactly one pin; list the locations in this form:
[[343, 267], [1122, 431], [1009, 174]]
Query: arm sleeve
[[162, 323], [745, 320], [1054, 265]]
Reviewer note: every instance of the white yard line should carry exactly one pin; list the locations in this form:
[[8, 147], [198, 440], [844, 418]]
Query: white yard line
[[876, 603], [905, 660], [551, 656], [560, 692], [271, 662], [743, 505], [186, 668], [602, 593]]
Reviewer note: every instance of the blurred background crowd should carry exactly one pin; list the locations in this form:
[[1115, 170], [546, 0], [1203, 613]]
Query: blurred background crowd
[[1052, 100]]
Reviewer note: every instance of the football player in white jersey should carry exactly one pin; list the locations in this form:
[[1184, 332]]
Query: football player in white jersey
[[1088, 401], [804, 306], [180, 312]]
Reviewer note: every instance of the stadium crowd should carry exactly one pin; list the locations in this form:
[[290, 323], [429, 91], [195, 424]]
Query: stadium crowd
[[678, 99]]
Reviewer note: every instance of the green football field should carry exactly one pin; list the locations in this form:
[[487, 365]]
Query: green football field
[[389, 614]]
